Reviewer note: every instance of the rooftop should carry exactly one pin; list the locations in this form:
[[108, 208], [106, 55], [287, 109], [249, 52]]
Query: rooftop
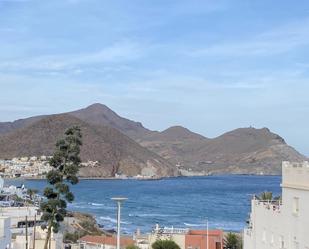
[[106, 240]]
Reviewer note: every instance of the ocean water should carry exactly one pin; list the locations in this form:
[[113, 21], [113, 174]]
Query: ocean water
[[183, 202]]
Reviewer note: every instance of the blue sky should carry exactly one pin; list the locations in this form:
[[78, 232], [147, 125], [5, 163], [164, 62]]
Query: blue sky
[[211, 66]]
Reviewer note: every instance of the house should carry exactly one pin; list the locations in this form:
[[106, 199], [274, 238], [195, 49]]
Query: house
[[37, 239], [19, 215], [197, 239], [282, 224], [188, 239], [103, 242]]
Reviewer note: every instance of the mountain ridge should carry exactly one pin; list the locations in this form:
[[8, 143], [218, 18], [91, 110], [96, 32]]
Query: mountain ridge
[[243, 150], [115, 152]]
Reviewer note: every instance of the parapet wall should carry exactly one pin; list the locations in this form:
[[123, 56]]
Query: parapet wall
[[295, 175]]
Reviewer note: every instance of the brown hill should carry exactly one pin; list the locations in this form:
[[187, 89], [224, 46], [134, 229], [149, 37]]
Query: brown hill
[[244, 150], [175, 143], [115, 152], [97, 114], [6, 127]]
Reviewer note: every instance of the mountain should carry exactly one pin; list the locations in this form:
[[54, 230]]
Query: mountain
[[97, 114], [244, 150], [6, 127], [115, 152], [174, 144]]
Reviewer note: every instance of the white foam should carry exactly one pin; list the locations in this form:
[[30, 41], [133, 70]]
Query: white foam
[[95, 204], [112, 220], [152, 215], [194, 225]]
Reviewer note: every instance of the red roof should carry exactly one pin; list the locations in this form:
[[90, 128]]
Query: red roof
[[204, 232], [106, 240]]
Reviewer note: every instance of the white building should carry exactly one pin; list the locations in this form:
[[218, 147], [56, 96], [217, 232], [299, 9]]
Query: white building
[[282, 224], [37, 240], [103, 242], [5, 233]]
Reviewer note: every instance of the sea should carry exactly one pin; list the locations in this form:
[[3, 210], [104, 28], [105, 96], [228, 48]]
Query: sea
[[182, 202]]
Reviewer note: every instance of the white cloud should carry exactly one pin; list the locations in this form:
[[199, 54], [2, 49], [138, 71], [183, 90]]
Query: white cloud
[[117, 53], [277, 41]]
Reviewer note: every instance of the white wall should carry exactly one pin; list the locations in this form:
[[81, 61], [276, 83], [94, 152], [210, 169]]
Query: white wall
[[5, 233], [288, 226]]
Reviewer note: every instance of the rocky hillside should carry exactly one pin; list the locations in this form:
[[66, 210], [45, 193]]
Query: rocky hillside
[[115, 152], [175, 144], [99, 114], [245, 150], [96, 114]]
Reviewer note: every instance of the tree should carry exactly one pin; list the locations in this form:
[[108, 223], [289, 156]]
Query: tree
[[268, 196], [65, 162], [232, 241], [165, 244], [32, 192]]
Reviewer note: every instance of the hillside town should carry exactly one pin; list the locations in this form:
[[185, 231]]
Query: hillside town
[[27, 167], [273, 223]]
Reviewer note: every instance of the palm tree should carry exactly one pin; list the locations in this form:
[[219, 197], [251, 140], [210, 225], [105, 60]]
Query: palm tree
[[232, 241], [268, 196]]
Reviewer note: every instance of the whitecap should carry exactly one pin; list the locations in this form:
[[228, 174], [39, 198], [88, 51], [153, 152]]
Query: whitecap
[[152, 215], [194, 225], [112, 220], [95, 204]]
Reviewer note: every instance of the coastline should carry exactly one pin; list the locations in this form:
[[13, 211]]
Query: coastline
[[141, 179]]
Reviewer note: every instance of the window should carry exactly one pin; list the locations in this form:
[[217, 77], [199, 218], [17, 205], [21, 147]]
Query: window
[[295, 205], [281, 242], [296, 245], [272, 239], [264, 236]]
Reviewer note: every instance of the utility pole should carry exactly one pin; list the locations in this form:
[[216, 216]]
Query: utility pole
[[27, 232], [50, 241], [207, 234], [34, 231]]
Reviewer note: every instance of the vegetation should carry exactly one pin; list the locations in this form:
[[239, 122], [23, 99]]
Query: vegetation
[[232, 241], [83, 224], [165, 244], [132, 247], [32, 193], [17, 198], [65, 162], [268, 196], [71, 237]]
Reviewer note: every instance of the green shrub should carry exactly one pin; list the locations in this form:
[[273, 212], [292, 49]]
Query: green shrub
[[165, 244]]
